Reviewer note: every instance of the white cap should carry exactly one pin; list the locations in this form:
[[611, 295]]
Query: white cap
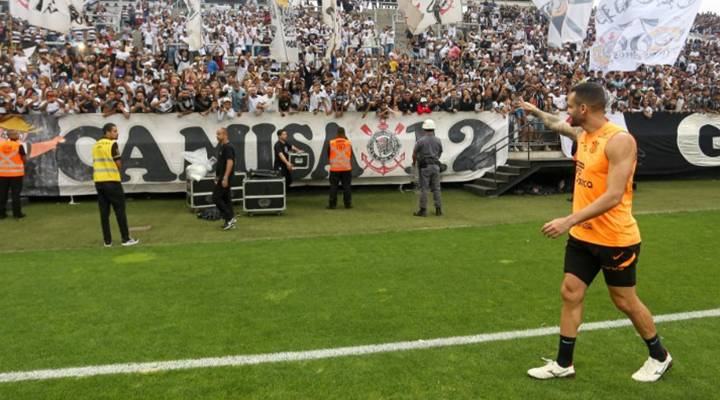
[[423, 99], [428, 125]]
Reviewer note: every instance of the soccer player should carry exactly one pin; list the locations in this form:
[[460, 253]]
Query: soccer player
[[604, 236]]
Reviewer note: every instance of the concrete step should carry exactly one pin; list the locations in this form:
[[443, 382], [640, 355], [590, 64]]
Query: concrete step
[[487, 182], [479, 190], [512, 169], [518, 163], [500, 176]]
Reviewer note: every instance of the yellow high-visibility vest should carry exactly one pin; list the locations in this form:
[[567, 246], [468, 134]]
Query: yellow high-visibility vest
[[104, 167]]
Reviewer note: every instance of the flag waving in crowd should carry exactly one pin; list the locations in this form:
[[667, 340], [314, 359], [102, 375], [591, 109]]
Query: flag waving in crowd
[[194, 26], [569, 20], [650, 33], [49, 14], [421, 14], [331, 17]]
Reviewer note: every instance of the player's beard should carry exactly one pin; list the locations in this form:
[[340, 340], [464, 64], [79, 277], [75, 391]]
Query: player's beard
[[575, 121]]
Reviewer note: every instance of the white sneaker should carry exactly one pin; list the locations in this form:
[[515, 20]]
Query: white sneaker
[[551, 370], [653, 369], [130, 242], [229, 225]]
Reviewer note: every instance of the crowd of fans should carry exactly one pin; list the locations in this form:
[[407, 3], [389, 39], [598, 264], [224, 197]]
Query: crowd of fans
[[495, 57]]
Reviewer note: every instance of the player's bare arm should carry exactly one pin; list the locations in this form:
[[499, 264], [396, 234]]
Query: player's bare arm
[[621, 152], [553, 122]]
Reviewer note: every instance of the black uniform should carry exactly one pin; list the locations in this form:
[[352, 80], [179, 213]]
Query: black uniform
[[222, 196], [284, 149], [428, 151]]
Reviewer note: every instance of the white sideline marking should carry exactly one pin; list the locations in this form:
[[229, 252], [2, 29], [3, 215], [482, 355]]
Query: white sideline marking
[[146, 367]]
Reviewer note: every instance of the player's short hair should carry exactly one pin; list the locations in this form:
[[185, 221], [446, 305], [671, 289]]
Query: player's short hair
[[108, 127], [590, 94], [280, 132]]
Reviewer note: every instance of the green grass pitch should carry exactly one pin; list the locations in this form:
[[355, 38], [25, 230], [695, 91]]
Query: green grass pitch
[[315, 278]]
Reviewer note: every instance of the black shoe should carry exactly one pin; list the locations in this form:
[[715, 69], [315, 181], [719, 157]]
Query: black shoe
[[348, 206], [420, 213], [438, 211], [330, 207], [21, 215]]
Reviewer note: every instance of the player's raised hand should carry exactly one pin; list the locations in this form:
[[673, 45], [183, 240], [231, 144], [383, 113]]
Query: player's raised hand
[[529, 107]]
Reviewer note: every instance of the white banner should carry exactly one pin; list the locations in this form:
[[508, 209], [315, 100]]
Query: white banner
[[284, 45], [631, 33], [433, 12], [152, 147], [49, 14], [569, 20], [332, 18], [193, 25]]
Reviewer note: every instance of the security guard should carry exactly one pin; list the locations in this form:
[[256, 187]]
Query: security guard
[[340, 157], [106, 175], [426, 157], [12, 171]]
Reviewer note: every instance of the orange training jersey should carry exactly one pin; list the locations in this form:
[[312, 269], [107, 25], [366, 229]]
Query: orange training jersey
[[616, 227]]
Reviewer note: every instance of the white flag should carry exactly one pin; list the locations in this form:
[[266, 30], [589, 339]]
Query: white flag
[[193, 25], [284, 45], [331, 17], [49, 14], [569, 20], [412, 14], [434, 12], [77, 14], [651, 33]]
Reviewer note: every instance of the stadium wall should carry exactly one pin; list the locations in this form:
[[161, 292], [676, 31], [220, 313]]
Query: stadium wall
[[152, 147]]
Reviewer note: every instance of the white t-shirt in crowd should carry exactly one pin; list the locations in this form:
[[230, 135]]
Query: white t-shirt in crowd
[[20, 63]]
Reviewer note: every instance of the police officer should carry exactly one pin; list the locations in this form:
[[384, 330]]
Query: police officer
[[426, 157], [106, 175], [12, 171], [340, 158]]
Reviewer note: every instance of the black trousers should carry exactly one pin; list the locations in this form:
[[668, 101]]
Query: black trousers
[[13, 186], [288, 178], [110, 194], [223, 201], [344, 177]]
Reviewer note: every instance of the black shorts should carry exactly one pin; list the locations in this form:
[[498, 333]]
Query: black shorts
[[585, 260]]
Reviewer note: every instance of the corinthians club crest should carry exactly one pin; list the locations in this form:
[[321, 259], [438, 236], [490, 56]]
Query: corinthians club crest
[[383, 149]]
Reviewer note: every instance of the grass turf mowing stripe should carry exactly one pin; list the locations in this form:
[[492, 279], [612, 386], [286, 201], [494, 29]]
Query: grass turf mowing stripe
[[148, 367]]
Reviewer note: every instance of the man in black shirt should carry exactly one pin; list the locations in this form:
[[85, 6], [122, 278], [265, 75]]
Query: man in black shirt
[[284, 102], [282, 151], [407, 105], [203, 102], [224, 177]]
